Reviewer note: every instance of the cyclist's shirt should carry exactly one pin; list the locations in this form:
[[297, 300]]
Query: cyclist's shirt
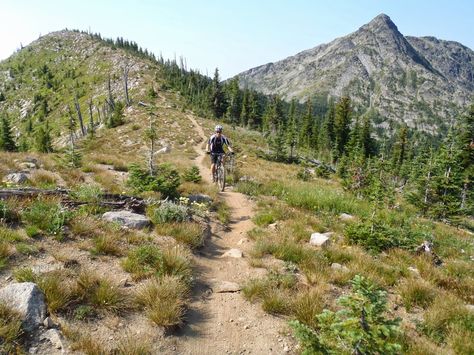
[[217, 143]]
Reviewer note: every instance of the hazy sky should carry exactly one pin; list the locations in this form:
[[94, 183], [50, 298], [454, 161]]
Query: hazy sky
[[231, 35]]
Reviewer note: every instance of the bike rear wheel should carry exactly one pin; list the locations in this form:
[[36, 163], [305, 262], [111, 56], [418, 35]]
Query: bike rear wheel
[[221, 177]]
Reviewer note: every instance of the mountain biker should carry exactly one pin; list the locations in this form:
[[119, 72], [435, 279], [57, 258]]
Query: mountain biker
[[215, 147]]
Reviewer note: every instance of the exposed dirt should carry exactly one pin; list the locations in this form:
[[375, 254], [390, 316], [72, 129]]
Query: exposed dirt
[[221, 323]]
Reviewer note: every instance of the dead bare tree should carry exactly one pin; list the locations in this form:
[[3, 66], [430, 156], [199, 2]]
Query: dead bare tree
[[110, 101], [91, 122], [151, 135], [126, 69], [79, 115]]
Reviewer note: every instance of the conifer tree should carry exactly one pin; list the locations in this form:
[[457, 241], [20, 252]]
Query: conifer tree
[[307, 124], [6, 140], [245, 108], [234, 102], [342, 120], [369, 145], [217, 102], [254, 118], [400, 148], [291, 133], [43, 139]]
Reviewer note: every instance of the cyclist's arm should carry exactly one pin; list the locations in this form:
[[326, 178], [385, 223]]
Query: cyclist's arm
[[229, 146]]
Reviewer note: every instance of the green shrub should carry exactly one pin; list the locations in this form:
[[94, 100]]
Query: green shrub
[[143, 261], [376, 235], [169, 212], [116, 118], [165, 180], [7, 214], [249, 187], [188, 233], [48, 216], [192, 174], [360, 327]]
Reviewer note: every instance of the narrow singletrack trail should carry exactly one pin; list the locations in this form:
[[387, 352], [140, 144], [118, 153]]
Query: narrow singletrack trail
[[224, 322]]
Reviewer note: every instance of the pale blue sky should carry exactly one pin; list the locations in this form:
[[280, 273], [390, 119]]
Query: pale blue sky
[[231, 35]]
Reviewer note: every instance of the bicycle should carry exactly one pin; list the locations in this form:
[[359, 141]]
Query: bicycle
[[219, 174]]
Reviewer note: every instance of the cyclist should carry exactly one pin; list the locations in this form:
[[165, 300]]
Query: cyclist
[[215, 147]]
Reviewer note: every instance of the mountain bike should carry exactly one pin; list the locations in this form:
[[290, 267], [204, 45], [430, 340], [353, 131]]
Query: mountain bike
[[219, 174]]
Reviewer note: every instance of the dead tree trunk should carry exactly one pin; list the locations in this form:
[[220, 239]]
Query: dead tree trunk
[[79, 115], [126, 70], [110, 100], [91, 116]]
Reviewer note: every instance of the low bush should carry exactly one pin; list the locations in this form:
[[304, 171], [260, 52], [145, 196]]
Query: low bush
[[169, 212], [360, 327], [192, 174], [165, 180], [48, 216]]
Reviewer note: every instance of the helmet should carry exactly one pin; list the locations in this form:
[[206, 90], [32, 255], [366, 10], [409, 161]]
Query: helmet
[[218, 128]]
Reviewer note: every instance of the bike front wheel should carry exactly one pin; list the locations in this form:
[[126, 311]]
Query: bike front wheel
[[221, 177]]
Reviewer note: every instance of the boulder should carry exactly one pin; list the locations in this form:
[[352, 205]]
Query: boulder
[[346, 217], [15, 178], [225, 287], [127, 219], [54, 337], [200, 198], [28, 300], [26, 165], [233, 253], [320, 239]]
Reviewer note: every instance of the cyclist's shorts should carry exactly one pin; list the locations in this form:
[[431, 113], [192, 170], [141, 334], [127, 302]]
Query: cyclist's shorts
[[214, 157]]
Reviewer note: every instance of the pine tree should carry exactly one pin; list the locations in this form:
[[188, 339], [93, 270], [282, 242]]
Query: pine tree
[[400, 148], [234, 102], [369, 144], [307, 125], [291, 133], [254, 118], [43, 139], [6, 140], [342, 120], [245, 109], [217, 102]]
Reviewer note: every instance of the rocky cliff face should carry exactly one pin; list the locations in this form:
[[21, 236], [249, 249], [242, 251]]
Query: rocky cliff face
[[424, 82]]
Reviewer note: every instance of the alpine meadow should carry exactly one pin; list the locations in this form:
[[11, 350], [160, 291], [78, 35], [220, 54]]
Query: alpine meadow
[[343, 222]]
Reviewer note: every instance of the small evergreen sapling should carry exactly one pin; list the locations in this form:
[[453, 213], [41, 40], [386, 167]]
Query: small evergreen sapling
[[360, 327]]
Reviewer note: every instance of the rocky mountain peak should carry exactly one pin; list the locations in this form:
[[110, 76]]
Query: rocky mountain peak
[[381, 22]]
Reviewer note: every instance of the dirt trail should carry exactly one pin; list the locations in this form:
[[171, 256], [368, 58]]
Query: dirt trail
[[220, 323]]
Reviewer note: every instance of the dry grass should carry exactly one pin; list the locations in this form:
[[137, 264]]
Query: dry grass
[[43, 179], [416, 293], [107, 244], [163, 300], [10, 330], [307, 304], [188, 233]]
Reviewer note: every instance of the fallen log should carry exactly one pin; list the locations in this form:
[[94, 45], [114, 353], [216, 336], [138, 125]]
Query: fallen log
[[113, 201]]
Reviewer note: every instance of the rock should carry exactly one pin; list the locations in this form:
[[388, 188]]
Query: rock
[[414, 270], [242, 241], [346, 217], [225, 287], [27, 166], [233, 253], [127, 219], [15, 178], [54, 337], [320, 239], [286, 349], [200, 198], [273, 226], [470, 307], [48, 323], [27, 299], [337, 266], [164, 150]]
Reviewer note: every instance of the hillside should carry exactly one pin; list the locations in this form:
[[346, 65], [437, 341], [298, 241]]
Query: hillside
[[424, 82]]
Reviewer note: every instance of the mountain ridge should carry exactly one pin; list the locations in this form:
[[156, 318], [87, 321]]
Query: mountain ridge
[[403, 77]]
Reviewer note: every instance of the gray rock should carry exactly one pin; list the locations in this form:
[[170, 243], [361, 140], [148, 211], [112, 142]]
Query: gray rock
[[414, 270], [16, 178], [337, 266], [164, 150], [127, 219], [27, 299], [200, 198], [48, 323], [346, 217], [225, 286], [470, 307], [320, 239], [54, 337], [233, 253], [27, 165]]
